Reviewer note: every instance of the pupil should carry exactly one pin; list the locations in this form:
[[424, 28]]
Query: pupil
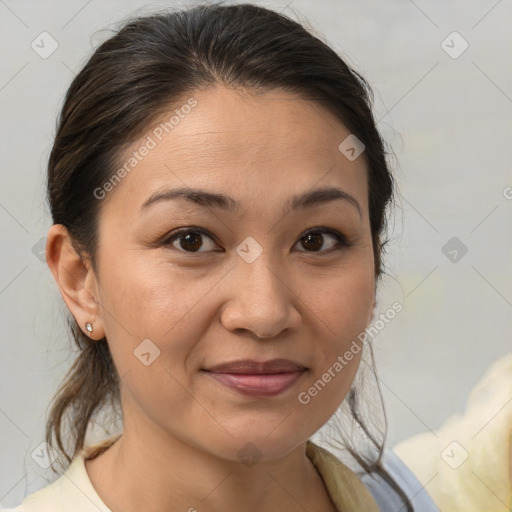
[[316, 237], [189, 238]]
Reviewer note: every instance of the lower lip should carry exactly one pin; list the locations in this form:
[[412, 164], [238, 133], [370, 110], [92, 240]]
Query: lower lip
[[258, 385]]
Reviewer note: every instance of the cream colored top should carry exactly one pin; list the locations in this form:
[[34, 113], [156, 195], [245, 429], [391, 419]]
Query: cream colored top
[[74, 492]]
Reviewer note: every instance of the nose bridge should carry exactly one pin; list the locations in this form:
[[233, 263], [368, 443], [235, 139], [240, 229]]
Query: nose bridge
[[262, 276], [255, 260], [260, 299]]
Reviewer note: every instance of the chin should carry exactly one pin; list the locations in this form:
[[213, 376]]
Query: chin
[[253, 445]]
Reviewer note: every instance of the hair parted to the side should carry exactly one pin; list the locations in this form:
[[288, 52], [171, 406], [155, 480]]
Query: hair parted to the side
[[143, 71]]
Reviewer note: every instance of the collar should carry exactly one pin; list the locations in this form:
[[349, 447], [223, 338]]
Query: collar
[[346, 490]]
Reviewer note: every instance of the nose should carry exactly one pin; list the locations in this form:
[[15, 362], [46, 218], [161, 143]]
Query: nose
[[261, 300]]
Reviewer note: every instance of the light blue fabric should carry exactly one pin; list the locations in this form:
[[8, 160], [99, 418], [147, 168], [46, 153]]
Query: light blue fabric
[[387, 498]]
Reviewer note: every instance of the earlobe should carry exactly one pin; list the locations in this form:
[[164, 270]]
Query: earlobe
[[76, 281]]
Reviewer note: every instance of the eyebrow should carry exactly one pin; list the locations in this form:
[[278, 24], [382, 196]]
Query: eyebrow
[[207, 199]]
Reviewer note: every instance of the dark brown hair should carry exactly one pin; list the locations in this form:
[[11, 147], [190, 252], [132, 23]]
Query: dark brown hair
[[131, 80]]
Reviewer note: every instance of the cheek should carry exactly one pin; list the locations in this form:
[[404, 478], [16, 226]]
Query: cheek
[[344, 302], [137, 304], [343, 310], [159, 302], [148, 316], [147, 297]]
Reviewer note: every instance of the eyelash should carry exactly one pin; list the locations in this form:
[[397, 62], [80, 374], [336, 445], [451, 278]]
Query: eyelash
[[342, 242]]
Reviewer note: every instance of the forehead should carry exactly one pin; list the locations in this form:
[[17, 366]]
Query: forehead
[[256, 147]]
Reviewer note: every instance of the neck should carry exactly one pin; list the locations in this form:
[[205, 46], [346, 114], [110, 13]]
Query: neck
[[158, 473]]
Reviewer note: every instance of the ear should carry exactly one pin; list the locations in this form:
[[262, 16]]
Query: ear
[[76, 280]]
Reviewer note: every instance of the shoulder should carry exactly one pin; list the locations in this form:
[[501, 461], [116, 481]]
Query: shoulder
[[47, 499], [387, 497], [353, 489], [73, 490]]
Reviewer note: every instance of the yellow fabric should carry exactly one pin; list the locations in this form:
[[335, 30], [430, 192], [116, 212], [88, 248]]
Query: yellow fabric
[[467, 465], [346, 490]]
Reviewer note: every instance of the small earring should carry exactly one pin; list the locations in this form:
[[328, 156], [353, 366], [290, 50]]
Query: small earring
[[88, 326]]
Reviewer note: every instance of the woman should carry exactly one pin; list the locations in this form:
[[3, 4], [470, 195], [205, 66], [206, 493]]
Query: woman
[[218, 190]]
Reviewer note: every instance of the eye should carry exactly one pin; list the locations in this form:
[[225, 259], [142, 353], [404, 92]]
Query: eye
[[188, 239], [314, 239]]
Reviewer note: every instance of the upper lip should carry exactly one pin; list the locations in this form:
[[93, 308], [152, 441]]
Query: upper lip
[[250, 366]]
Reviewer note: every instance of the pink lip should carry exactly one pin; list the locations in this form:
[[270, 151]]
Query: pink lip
[[258, 384], [250, 366]]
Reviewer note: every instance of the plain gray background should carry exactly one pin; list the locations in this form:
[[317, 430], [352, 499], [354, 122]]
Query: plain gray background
[[447, 118]]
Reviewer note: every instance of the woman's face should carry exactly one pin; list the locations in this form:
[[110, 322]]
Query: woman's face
[[245, 283]]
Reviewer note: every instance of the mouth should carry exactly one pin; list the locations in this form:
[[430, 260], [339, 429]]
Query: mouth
[[258, 379], [263, 385]]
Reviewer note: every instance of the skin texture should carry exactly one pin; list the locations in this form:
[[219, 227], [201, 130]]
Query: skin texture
[[182, 429]]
